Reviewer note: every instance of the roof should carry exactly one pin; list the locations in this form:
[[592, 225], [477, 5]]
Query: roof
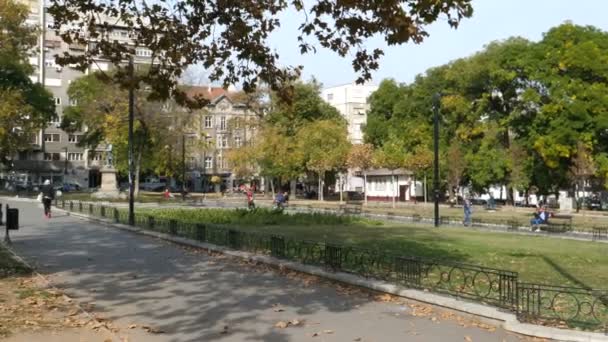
[[209, 93], [387, 172]]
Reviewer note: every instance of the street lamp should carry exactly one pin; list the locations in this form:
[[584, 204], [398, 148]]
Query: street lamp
[[65, 165], [131, 218], [436, 106]]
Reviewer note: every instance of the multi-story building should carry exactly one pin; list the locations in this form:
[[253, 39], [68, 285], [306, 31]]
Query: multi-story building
[[351, 101], [223, 125], [54, 153]]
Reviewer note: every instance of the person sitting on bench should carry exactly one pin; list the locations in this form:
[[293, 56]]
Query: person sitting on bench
[[541, 216]]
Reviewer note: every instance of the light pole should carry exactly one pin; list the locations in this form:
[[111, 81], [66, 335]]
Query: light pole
[[183, 166], [65, 165], [130, 142], [436, 105]]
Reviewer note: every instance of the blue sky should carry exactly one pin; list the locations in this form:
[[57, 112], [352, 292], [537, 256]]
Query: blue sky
[[492, 20]]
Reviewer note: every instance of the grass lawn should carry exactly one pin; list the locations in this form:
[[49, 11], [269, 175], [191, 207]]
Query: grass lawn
[[537, 259]]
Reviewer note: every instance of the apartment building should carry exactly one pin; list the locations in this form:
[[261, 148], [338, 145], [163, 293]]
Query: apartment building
[[221, 126], [351, 101], [54, 154]]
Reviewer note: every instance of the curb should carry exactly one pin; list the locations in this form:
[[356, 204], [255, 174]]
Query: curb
[[506, 320]]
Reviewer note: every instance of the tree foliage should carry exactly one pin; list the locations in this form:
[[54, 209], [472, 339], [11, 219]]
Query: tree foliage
[[230, 38], [25, 107], [514, 113]]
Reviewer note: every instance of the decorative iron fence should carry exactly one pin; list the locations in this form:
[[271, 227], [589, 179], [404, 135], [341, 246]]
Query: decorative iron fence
[[543, 304], [565, 306]]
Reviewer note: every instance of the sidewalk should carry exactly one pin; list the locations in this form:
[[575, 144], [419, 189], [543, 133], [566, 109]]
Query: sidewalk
[[191, 296]]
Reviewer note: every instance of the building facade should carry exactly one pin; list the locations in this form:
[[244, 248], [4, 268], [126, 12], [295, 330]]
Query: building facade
[[351, 100], [220, 127], [54, 153]]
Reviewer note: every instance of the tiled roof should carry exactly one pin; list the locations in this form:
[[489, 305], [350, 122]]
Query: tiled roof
[[209, 93]]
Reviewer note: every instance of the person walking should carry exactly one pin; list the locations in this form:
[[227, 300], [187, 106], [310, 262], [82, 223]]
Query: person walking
[[250, 203], [467, 212], [48, 195]]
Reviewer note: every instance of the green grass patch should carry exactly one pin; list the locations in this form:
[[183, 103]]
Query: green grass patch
[[536, 258]]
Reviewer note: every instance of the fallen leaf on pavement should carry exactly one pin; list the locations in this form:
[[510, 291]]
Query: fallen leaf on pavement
[[281, 325], [328, 331], [468, 339], [152, 330], [132, 326]]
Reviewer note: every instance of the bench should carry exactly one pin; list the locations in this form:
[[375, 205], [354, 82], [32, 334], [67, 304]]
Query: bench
[[557, 224]]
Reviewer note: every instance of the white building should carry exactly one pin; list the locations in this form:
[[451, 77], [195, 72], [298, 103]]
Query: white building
[[351, 100]]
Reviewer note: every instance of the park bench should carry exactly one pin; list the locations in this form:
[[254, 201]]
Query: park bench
[[350, 208], [559, 223]]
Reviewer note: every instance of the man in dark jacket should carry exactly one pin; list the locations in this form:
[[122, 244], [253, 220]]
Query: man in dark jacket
[[48, 195]]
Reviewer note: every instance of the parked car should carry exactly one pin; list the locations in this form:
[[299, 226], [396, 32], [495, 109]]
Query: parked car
[[68, 187]]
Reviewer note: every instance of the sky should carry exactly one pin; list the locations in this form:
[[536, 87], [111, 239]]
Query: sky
[[492, 20]]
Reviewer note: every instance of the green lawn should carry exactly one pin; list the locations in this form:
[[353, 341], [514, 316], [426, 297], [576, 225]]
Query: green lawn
[[537, 259]]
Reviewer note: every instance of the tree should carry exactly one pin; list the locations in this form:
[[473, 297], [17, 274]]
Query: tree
[[25, 107], [324, 145], [391, 156], [361, 157], [230, 38], [103, 108], [455, 169], [582, 168]]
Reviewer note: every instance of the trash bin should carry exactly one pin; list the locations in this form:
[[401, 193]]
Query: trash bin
[[12, 218]]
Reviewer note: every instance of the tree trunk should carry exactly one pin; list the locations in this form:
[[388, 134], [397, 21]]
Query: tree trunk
[[320, 194], [425, 189], [415, 192], [137, 172], [272, 187], [365, 187], [393, 184], [340, 189], [292, 185], [578, 207]]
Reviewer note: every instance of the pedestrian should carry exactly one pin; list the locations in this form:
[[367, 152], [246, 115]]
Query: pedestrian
[[279, 201], [250, 203], [467, 212], [48, 195], [541, 216]]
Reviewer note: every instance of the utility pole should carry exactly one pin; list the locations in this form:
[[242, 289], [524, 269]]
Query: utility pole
[[183, 166], [436, 104], [130, 142], [42, 68]]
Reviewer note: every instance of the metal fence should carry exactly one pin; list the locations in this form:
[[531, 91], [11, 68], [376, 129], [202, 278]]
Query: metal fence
[[543, 304]]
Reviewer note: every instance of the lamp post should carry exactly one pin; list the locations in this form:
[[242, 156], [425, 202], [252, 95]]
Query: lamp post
[[131, 218], [436, 105], [65, 165], [183, 166]]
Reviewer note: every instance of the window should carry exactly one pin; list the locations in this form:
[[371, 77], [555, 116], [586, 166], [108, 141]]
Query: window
[[51, 156], [74, 138], [222, 123], [208, 121], [143, 53], [237, 141], [330, 97], [52, 137], [208, 162], [220, 162], [74, 156], [222, 141], [73, 102], [58, 101], [97, 156]]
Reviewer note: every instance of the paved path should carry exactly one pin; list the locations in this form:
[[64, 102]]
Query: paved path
[[132, 279]]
